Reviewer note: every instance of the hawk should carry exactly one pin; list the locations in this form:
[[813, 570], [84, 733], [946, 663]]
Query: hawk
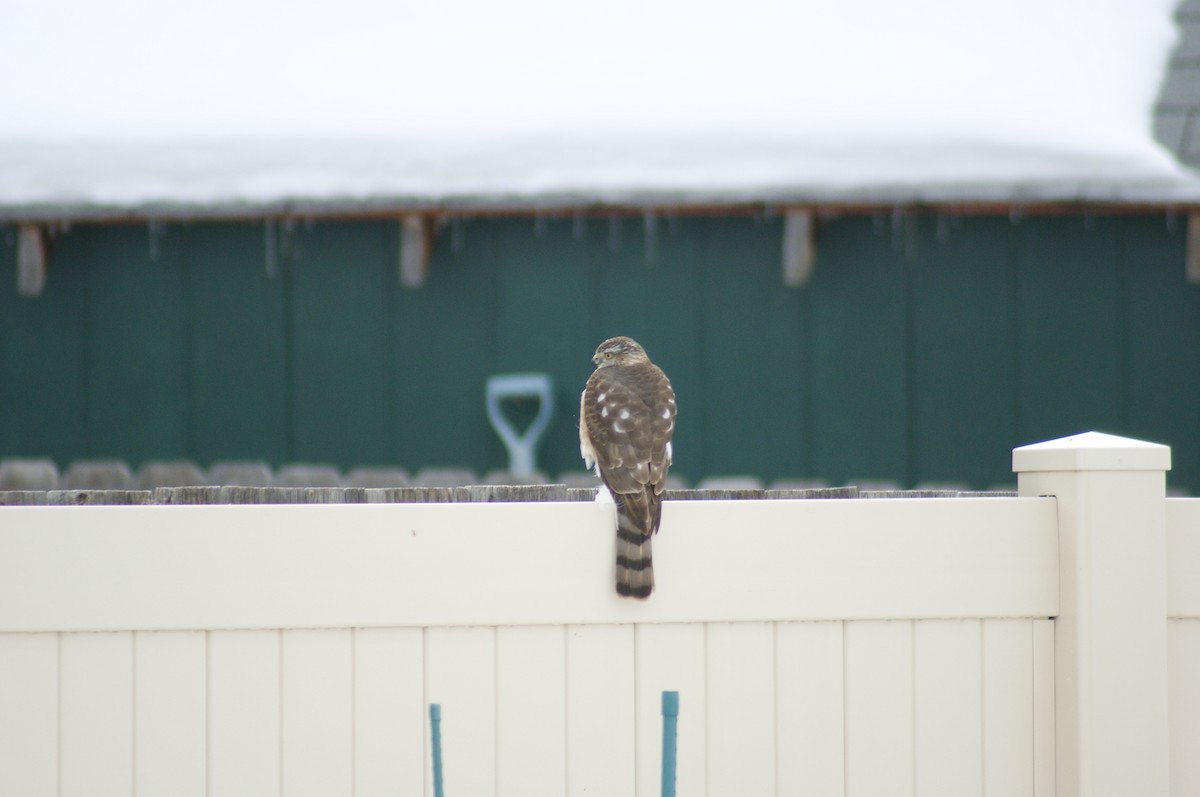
[[626, 417]]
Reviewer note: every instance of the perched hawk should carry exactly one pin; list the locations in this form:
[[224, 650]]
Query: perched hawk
[[626, 416]]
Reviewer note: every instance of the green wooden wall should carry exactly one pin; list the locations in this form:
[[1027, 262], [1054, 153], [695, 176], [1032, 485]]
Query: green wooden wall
[[924, 347]]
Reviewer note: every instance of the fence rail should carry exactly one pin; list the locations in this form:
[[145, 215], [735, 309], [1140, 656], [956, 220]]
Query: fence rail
[[372, 565]]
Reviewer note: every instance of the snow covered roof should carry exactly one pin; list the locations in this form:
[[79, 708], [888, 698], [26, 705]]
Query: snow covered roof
[[254, 105]]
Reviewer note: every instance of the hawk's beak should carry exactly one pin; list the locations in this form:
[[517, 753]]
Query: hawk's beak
[[595, 359]]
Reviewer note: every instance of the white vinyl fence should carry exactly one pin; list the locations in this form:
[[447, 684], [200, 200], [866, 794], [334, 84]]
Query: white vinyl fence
[[948, 646]]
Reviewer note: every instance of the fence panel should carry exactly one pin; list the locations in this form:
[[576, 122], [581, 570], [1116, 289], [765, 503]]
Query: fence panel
[[1183, 637], [531, 711], [601, 715], [316, 712], [390, 743], [243, 713], [1045, 754], [29, 714], [460, 674], [671, 657], [1008, 707], [741, 709], [96, 731], [948, 707], [879, 709], [285, 668], [809, 697], [170, 713], [1184, 686]]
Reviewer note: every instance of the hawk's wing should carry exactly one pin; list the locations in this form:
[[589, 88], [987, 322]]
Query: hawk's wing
[[627, 414]]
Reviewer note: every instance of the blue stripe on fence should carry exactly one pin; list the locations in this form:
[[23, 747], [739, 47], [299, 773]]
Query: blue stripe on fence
[[435, 728], [670, 712]]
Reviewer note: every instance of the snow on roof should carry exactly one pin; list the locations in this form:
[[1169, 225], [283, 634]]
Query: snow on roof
[[258, 104]]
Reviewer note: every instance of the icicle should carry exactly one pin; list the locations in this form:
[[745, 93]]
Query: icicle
[[614, 233], [799, 251], [1172, 220], [155, 230], [415, 244], [898, 231], [271, 243], [1193, 248], [539, 225], [579, 226], [31, 260], [911, 230], [458, 234], [650, 223], [287, 244], [943, 228], [1015, 215]]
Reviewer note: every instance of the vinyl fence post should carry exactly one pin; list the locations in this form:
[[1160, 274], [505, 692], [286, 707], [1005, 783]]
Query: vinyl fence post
[[1110, 637]]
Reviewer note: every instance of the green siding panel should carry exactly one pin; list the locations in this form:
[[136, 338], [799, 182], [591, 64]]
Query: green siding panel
[[342, 286], [647, 287], [859, 354], [443, 354], [1068, 327], [961, 294], [752, 352], [138, 386], [543, 323], [1163, 340], [42, 360], [923, 348], [239, 353]]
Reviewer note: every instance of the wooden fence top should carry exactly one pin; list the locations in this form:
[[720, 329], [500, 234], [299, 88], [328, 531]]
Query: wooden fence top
[[483, 493]]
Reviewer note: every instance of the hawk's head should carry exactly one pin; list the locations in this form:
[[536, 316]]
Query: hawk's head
[[619, 351]]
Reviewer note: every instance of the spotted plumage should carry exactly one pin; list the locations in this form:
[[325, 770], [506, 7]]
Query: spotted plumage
[[626, 419]]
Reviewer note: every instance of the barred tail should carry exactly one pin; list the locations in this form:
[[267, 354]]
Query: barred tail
[[636, 522]]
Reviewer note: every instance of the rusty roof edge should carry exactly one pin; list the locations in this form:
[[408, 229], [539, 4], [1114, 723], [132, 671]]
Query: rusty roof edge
[[1110, 200]]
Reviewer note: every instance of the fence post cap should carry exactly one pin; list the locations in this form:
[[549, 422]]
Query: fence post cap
[[1091, 451]]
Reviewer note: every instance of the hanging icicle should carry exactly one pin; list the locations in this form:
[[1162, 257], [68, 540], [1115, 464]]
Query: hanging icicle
[[650, 224], [943, 228], [1193, 247], [32, 254], [287, 238], [799, 251], [155, 230], [614, 233], [458, 234], [897, 229], [414, 250], [271, 247]]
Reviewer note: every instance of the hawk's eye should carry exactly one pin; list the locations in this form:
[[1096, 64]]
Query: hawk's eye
[[608, 355]]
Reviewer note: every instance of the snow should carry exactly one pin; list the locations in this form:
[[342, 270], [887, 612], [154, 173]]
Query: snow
[[133, 104]]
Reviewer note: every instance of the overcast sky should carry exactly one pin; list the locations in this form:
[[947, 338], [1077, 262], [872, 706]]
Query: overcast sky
[[1077, 72]]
